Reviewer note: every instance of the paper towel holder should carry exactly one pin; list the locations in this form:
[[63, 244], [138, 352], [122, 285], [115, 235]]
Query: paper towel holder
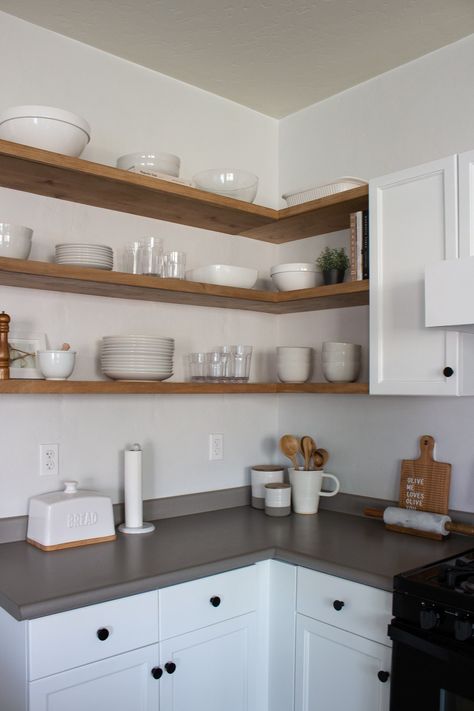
[[133, 493]]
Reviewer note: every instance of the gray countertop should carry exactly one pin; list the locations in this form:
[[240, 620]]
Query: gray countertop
[[34, 583]]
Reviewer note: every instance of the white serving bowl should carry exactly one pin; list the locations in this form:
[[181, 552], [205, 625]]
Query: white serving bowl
[[224, 275], [346, 372], [294, 267], [15, 240], [56, 365], [45, 127], [151, 163], [230, 182], [296, 275]]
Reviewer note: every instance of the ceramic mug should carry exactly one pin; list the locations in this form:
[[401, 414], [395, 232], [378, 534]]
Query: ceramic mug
[[306, 489]]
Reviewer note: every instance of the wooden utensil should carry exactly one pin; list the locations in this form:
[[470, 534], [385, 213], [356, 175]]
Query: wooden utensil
[[290, 446], [424, 483], [320, 458], [308, 447], [4, 347]]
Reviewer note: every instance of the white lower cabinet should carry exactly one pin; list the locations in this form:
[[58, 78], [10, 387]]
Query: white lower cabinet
[[212, 669], [121, 683], [337, 670]]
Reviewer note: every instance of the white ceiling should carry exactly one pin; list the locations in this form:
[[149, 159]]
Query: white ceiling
[[275, 56]]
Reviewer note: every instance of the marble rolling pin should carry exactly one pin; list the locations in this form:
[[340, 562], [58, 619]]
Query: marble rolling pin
[[419, 523], [133, 493]]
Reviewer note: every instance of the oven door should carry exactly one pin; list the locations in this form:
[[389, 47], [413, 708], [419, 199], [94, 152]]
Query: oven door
[[429, 674]]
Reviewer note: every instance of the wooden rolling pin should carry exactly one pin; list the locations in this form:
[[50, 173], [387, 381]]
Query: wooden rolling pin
[[421, 523]]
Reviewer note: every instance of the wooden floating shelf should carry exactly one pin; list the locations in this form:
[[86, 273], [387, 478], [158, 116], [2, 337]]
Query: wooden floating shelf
[[77, 280], [54, 175], [124, 387]]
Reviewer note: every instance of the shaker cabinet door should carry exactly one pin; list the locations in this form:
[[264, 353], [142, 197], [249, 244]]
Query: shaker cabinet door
[[212, 669], [121, 683], [413, 222], [337, 670], [466, 204]]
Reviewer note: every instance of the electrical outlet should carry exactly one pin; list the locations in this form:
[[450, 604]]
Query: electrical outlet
[[49, 460], [216, 447]]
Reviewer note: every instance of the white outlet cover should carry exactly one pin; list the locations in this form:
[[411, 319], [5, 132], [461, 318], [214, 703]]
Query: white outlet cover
[[49, 460]]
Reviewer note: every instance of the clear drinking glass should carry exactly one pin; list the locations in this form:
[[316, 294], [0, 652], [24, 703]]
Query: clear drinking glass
[[131, 258], [240, 358], [216, 366], [198, 366], [174, 265], [151, 256]]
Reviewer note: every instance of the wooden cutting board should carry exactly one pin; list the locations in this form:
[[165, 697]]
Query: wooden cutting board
[[424, 483]]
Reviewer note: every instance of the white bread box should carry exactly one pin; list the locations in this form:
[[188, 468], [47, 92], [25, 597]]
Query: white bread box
[[70, 518]]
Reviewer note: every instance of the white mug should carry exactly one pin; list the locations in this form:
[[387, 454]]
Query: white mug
[[306, 489]]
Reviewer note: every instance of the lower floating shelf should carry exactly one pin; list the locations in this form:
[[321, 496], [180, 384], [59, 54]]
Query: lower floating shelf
[[130, 387]]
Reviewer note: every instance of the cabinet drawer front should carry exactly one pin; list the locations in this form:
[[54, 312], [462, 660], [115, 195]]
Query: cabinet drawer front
[[365, 611], [70, 639], [189, 606]]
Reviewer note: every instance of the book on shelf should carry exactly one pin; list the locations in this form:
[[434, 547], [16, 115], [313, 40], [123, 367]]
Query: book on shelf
[[359, 245]]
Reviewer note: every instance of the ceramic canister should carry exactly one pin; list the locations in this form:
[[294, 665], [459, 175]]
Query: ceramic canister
[[277, 499], [260, 475]]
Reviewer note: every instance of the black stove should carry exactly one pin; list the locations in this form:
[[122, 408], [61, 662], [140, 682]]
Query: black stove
[[433, 637]]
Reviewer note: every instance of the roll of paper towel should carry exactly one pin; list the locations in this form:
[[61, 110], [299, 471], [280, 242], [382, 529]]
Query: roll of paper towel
[[133, 493]]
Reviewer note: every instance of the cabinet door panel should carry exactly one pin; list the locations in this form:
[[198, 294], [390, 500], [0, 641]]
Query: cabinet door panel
[[122, 683], [466, 204], [413, 223], [337, 670], [215, 668]]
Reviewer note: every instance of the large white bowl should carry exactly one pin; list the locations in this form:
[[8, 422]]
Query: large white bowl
[[45, 127], [346, 372], [230, 182], [151, 163], [290, 281], [294, 267], [224, 275], [56, 365], [15, 240]]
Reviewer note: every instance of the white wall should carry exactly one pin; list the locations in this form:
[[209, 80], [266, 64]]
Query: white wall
[[131, 108], [416, 113]]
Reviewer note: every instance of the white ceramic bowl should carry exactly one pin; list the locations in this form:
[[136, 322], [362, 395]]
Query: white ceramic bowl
[[56, 365], [224, 275], [294, 267], [346, 372], [333, 346], [237, 184], [15, 240], [290, 281], [294, 351], [151, 163], [294, 372], [45, 127]]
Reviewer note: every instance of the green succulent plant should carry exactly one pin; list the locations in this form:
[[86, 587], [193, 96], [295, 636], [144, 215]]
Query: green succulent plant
[[333, 259]]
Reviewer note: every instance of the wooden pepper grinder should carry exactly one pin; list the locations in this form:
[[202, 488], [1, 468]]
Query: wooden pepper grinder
[[4, 347]]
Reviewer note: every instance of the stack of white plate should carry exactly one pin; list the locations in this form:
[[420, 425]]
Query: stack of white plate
[[94, 256], [137, 357]]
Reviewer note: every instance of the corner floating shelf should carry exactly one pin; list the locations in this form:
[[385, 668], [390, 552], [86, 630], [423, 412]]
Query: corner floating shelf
[[54, 175], [77, 280], [129, 387]]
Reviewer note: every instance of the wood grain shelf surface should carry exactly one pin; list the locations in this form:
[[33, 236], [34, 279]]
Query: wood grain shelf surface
[[54, 175], [124, 387], [77, 280]]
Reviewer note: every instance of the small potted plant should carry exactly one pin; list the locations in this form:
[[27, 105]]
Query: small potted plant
[[333, 264]]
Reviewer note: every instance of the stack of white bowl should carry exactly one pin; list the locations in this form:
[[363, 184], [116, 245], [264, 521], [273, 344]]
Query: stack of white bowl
[[94, 256], [137, 357], [294, 364], [341, 361], [296, 275]]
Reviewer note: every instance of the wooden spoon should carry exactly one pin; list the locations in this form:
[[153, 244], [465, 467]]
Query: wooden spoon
[[290, 446], [308, 446], [320, 458]]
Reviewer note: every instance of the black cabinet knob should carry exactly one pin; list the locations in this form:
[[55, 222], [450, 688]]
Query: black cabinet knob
[[103, 634], [215, 601], [448, 372], [170, 667], [157, 672], [383, 676], [338, 605]]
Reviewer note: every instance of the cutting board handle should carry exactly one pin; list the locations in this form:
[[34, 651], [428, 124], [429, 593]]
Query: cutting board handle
[[426, 449]]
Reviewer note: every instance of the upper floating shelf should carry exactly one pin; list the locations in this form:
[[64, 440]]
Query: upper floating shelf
[[77, 280], [54, 175]]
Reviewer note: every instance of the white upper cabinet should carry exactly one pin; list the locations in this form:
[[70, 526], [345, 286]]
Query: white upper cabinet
[[413, 221], [449, 285]]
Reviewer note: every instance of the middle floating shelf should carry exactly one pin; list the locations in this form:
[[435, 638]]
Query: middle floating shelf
[[77, 280]]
